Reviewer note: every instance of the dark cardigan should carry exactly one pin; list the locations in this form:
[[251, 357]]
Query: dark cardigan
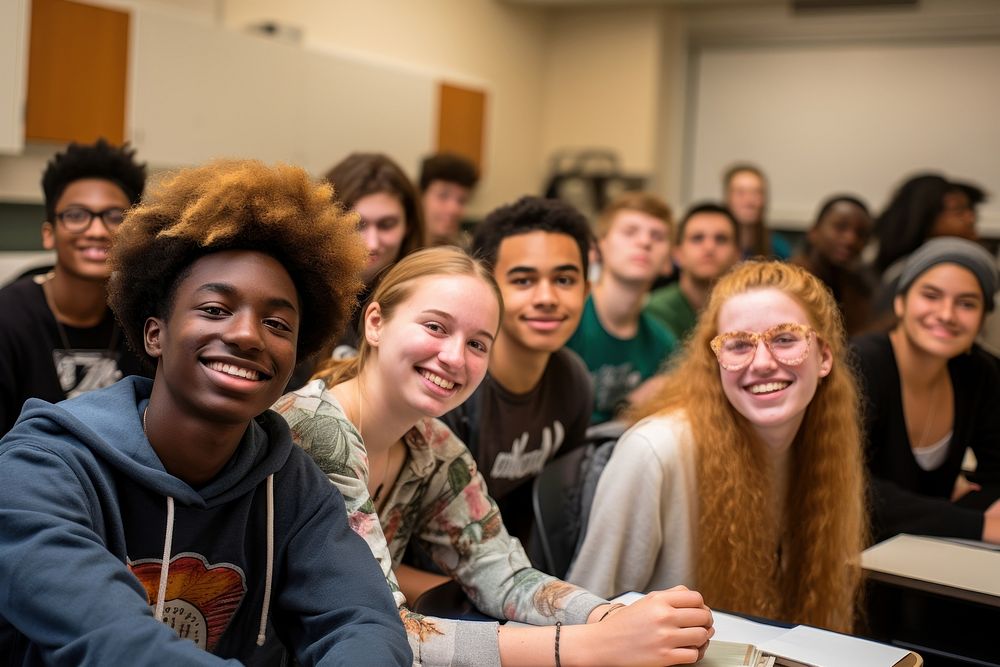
[[906, 498]]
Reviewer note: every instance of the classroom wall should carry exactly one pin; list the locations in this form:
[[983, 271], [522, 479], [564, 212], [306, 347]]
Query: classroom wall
[[478, 43], [602, 83], [571, 75]]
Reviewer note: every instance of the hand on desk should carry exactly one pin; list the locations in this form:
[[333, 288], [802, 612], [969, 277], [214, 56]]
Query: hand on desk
[[669, 627], [991, 524]]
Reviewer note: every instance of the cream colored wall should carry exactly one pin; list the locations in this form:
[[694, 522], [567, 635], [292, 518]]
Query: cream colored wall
[[602, 83], [481, 43]]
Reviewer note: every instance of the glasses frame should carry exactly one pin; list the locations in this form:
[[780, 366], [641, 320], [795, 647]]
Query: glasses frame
[[72, 229], [765, 336]]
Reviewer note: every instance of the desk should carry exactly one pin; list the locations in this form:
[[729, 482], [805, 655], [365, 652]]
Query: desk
[[938, 597]]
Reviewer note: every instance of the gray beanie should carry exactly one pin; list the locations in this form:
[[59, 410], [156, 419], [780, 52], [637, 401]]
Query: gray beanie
[[953, 250]]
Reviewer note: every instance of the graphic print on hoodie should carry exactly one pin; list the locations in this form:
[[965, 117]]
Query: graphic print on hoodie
[[200, 598], [88, 511]]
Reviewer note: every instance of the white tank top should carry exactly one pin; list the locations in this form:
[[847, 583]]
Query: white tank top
[[931, 458]]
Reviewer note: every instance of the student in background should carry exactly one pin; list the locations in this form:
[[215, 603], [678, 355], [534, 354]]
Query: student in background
[[706, 248], [536, 399], [832, 253], [446, 183], [925, 206], [370, 422], [58, 338], [747, 462], [931, 393], [622, 346], [180, 506], [391, 225], [745, 190]]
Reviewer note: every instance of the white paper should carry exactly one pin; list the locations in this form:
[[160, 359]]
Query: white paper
[[830, 649], [735, 629]]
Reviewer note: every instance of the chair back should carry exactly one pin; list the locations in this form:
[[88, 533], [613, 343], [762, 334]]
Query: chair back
[[556, 504]]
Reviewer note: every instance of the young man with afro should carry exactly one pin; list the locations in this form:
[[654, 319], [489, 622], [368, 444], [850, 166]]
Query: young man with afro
[[58, 338], [173, 520]]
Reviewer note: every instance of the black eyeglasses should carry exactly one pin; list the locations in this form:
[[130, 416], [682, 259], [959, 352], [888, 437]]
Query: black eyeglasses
[[77, 219]]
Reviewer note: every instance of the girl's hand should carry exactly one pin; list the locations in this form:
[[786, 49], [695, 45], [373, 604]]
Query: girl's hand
[[664, 628], [991, 523], [962, 487]]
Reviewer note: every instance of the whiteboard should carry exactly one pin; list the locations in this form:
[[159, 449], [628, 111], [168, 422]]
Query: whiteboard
[[859, 118]]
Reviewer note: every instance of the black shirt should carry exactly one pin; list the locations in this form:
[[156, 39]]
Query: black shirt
[[31, 348]]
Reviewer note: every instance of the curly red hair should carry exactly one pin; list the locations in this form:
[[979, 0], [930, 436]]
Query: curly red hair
[[816, 578]]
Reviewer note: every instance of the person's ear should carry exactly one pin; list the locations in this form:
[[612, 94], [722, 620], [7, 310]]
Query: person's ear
[[897, 305], [825, 360], [374, 323], [151, 337], [48, 236]]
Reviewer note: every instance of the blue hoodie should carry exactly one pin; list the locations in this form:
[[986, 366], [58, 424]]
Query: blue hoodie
[[87, 511]]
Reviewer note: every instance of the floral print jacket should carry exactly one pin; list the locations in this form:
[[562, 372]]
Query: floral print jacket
[[439, 500]]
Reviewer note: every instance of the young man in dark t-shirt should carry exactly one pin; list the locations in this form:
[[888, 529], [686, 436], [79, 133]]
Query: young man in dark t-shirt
[[58, 338], [536, 400]]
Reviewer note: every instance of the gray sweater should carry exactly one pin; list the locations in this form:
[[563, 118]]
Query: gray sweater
[[640, 536]]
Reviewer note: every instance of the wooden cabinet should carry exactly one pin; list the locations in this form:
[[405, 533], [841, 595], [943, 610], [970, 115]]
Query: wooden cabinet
[[77, 64]]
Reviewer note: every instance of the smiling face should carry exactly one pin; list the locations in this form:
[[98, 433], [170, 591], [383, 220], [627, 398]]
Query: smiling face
[[227, 348], [772, 396], [841, 234], [636, 247], [383, 227], [942, 311], [84, 254], [433, 351], [541, 278]]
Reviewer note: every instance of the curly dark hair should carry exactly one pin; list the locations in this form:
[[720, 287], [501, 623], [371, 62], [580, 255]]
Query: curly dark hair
[[361, 174], [238, 205], [97, 160], [448, 167], [531, 214]]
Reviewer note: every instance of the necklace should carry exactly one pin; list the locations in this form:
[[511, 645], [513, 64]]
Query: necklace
[[58, 316]]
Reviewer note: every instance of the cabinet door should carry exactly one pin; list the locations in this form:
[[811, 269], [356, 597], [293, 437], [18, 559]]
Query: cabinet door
[[77, 63]]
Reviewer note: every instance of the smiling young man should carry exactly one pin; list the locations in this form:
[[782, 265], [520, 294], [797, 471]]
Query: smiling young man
[[623, 346], [58, 338], [536, 399], [706, 248], [174, 521]]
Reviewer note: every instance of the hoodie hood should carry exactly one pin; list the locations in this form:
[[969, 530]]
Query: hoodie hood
[[109, 423]]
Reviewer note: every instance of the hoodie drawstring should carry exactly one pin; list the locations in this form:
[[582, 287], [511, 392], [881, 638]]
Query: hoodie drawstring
[[168, 539], [270, 560]]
